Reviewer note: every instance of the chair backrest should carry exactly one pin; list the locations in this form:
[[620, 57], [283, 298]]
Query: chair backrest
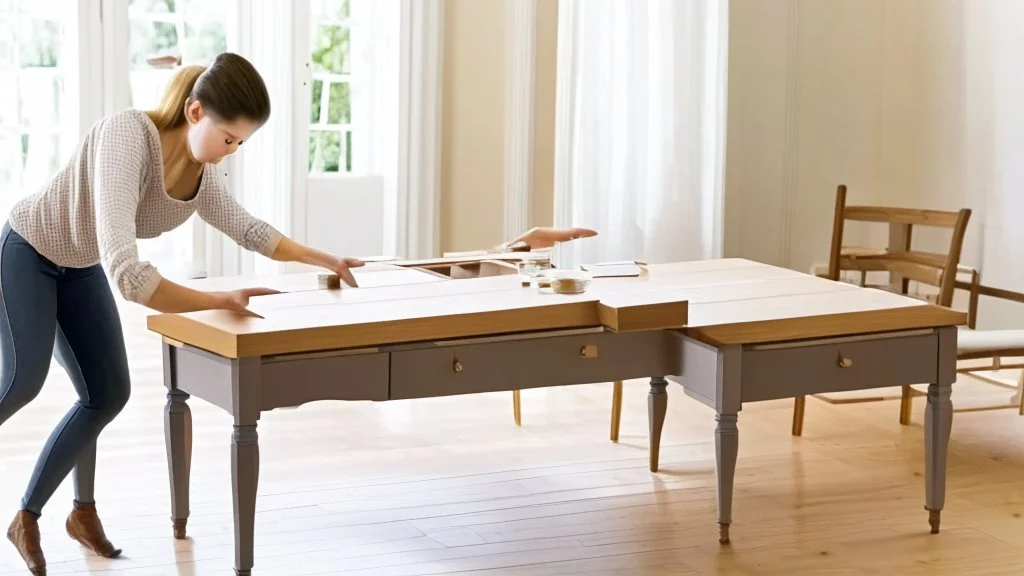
[[898, 259]]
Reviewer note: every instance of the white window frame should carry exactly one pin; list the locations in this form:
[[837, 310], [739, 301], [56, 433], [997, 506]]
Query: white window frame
[[79, 85]]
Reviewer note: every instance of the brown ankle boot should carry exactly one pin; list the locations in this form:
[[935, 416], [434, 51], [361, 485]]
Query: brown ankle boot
[[24, 534], [84, 525]]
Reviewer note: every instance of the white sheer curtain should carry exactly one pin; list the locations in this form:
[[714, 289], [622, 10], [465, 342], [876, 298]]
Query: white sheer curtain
[[640, 128]]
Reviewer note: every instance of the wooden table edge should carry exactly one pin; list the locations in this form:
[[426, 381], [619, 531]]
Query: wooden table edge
[[788, 329]]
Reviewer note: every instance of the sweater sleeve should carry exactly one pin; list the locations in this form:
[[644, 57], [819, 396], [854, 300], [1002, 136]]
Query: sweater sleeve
[[223, 212], [120, 160]]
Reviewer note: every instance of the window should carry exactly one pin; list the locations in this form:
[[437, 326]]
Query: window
[[165, 33], [349, 122], [330, 129], [38, 109]]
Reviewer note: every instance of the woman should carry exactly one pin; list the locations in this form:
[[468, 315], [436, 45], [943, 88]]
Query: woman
[[136, 175]]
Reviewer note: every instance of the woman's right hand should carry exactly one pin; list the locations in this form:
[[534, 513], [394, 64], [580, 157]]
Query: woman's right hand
[[238, 300], [174, 298]]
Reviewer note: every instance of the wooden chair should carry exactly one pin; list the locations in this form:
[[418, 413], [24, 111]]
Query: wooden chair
[[991, 345], [902, 264]]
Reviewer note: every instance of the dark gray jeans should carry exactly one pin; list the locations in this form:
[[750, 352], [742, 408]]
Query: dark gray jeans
[[70, 313]]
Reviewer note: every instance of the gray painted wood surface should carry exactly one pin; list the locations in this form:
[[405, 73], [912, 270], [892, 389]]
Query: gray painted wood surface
[[774, 373], [531, 363]]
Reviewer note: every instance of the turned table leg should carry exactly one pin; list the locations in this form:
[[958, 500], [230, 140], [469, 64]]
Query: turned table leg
[[178, 439], [178, 436], [245, 470], [727, 445], [657, 406], [938, 423]]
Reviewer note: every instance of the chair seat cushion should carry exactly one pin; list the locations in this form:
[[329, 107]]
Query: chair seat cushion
[[988, 340]]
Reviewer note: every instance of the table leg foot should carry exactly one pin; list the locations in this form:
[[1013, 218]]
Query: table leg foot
[[657, 406], [243, 572], [723, 533], [179, 529], [934, 517]]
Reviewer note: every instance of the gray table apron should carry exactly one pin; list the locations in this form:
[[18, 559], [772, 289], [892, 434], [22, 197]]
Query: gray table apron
[[722, 378]]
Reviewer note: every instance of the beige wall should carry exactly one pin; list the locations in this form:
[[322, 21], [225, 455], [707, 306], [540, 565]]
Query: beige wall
[[909, 102], [473, 122], [473, 116]]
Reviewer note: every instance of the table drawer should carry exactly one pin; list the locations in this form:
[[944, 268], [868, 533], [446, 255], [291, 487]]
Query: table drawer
[[531, 363], [295, 381], [856, 364]]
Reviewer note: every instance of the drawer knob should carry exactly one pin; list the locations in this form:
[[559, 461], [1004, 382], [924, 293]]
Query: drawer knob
[[589, 351], [845, 362], [457, 366]]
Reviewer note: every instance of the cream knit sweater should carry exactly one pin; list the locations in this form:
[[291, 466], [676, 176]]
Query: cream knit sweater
[[112, 193]]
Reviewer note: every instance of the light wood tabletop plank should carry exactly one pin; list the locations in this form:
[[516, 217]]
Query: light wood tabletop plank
[[371, 275], [320, 327], [792, 317]]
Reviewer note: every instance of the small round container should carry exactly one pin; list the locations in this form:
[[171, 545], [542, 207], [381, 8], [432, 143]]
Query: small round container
[[533, 264], [563, 281]]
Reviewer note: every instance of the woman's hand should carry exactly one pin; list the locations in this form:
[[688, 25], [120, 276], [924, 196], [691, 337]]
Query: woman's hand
[[238, 300], [174, 299], [537, 238], [342, 269]]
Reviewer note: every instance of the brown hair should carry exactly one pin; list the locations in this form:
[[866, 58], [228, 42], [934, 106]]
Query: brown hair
[[228, 89]]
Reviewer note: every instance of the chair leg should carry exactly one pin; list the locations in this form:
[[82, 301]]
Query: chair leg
[[798, 415], [1020, 394], [516, 408], [906, 405], [616, 410]]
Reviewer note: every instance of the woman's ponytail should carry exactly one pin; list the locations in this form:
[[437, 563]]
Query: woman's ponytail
[[170, 113]]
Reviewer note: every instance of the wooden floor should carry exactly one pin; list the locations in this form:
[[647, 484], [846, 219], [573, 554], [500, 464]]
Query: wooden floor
[[451, 486]]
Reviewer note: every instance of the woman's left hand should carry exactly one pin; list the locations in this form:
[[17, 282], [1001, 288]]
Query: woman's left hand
[[341, 268]]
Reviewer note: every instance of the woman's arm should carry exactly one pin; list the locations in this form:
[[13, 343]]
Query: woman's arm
[[174, 298], [539, 238], [223, 212]]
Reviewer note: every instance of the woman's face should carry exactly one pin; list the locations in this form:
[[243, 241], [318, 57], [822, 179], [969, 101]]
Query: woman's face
[[210, 139]]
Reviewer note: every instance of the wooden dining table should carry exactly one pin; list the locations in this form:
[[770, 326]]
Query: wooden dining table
[[728, 331]]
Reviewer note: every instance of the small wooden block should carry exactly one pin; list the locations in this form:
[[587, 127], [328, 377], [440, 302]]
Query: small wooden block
[[328, 281]]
